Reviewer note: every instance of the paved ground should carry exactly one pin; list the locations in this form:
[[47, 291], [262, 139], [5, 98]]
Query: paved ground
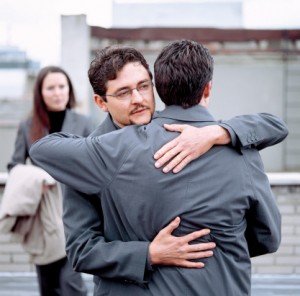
[[24, 284]]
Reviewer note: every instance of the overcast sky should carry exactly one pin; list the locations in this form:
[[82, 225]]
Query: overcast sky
[[34, 25]]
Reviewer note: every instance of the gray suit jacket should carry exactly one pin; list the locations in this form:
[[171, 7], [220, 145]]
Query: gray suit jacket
[[220, 190], [74, 123]]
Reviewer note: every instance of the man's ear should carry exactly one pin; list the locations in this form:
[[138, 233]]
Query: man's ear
[[207, 90], [206, 95], [101, 103]]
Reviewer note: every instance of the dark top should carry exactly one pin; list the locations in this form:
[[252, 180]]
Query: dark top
[[56, 120]]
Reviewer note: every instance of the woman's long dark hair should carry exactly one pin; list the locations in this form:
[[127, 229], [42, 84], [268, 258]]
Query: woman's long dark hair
[[40, 120]]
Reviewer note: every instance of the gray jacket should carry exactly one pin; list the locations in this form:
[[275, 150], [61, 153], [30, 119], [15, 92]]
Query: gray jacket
[[222, 190], [74, 123]]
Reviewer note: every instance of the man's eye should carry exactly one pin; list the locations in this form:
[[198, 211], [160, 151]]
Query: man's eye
[[123, 93], [144, 86]]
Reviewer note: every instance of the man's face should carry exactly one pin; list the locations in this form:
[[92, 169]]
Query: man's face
[[135, 107]]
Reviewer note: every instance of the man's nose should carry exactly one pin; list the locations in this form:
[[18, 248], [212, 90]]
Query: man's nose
[[136, 97]]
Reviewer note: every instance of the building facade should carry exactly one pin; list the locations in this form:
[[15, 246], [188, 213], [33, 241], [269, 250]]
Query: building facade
[[255, 71]]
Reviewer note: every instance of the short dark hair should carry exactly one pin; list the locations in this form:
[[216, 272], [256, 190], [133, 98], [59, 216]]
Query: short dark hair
[[108, 62], [182, 70]]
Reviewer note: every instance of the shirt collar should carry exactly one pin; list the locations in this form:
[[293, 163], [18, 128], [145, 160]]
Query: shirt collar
[[195, 113]]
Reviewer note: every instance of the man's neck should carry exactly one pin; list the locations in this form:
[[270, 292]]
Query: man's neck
[[113, 122]]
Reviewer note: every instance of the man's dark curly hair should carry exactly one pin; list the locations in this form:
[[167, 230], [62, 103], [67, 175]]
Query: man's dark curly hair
[[108, 62]]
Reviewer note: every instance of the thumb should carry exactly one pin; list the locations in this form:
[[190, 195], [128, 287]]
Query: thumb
[[174, 127], [172, 225]]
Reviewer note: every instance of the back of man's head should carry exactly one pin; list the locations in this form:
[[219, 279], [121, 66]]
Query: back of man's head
[[108, 62], [182, 70]]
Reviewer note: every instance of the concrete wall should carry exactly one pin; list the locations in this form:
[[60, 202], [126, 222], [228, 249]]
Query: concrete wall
[[286, 261], [244, 82], [75, 56]]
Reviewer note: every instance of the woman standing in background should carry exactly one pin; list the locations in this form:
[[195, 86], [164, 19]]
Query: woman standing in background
[[53, 101]]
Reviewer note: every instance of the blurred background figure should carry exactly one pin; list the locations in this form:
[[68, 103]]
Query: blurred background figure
[[53, 103]]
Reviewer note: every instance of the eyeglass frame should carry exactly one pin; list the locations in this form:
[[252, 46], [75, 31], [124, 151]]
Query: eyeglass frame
[[130, 91]]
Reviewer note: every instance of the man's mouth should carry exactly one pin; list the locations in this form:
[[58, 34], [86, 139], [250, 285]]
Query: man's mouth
[[139, 110]]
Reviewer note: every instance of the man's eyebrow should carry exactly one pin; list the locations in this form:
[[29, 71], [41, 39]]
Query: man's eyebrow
[[122, 88], [145, 80], [127, 87]]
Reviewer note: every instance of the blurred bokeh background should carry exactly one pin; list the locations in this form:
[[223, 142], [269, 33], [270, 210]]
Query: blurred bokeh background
[[255, 43]]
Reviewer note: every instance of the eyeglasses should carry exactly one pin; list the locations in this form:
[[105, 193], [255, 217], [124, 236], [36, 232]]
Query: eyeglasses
[[125, 94]]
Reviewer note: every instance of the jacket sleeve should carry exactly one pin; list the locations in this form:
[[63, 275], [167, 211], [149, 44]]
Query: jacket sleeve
[[263, 232], [87, 248], [85, 239], [72, 160], [86, 170], [258, 131], [20, 153]]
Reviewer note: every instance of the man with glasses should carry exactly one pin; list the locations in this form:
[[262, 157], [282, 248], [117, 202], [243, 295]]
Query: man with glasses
[[97, 241]]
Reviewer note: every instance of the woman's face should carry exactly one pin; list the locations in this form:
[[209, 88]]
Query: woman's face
[[55, 91]]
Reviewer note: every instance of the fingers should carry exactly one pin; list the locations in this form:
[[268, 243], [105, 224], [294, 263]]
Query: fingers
[[202, 247], [189, 264], [178, 163], [195, 235], [174, 127], [175, 160], [182, 164], [167, 249], [161, 153], [199, 255], [179, 152], [165, 153]]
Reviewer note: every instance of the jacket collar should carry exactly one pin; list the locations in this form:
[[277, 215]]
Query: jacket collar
[[105, 127], [195, 113], [68, 121]]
